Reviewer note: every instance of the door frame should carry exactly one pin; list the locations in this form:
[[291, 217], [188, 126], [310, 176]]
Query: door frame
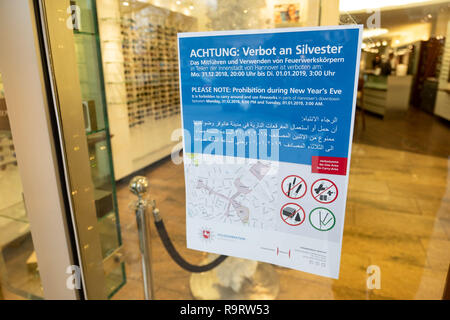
[[28, 97]]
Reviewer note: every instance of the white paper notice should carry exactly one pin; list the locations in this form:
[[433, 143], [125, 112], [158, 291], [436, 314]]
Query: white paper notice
[[268, 121]]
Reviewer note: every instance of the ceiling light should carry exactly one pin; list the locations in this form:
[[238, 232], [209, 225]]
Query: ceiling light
[[358, 5], [125, 3], [370, 33]]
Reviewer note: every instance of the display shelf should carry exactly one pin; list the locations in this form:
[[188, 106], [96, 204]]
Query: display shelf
[[115, 20], [385, 95], [7, 143], [443, 95], [116, 279], [113, 62], [7, 161], [116, 82], [84, 33], [100, 162], [149, 71], [108, 238], [7, 153], [94, 132], [104, 202], [111, 103], [150, 62], [112, 41]]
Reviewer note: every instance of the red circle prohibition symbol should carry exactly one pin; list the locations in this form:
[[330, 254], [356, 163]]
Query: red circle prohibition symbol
[[332, 184], [293, 214], [301, 181]]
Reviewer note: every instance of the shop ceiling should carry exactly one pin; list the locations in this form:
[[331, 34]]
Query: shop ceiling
[[400, 15]]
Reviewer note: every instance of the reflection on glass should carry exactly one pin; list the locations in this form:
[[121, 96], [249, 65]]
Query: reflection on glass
[[398, 205], [19, 272]]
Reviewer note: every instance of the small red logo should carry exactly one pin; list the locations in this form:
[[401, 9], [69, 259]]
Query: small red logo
[[206, 234]]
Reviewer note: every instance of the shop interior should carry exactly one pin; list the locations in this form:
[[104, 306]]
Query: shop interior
[[398, 206]]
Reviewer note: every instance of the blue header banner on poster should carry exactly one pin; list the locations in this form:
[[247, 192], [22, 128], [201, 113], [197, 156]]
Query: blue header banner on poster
[[294, 88]]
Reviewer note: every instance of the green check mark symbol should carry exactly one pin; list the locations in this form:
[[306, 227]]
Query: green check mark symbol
[[322, 221]]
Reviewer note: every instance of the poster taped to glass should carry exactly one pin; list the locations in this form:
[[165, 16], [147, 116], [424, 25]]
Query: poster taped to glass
[[268, 122]]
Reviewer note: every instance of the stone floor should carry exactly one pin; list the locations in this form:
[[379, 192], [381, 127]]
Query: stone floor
[[398, 218]]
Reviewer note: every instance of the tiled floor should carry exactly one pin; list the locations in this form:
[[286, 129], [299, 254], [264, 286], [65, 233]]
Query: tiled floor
[[417, 132], [398, 218]]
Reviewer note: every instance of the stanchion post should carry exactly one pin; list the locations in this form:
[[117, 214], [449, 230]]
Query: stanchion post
[[139, 186]]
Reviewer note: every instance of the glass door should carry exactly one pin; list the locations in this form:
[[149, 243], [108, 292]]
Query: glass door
[[98, 137], [114, 71], [73, 51], [396, 229]]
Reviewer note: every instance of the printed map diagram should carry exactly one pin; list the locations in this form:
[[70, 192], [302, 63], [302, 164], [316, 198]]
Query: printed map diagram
[[239, 194]]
